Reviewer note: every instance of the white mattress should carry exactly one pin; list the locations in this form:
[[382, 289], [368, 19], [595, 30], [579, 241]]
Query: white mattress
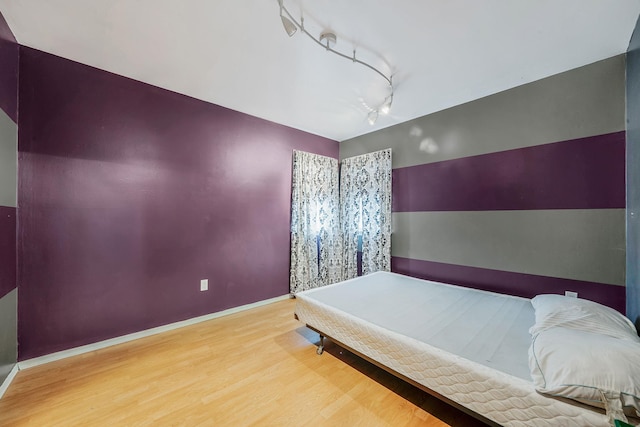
[[468, 345]]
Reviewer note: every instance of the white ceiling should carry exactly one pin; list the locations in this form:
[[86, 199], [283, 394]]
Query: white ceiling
[[236, 53]]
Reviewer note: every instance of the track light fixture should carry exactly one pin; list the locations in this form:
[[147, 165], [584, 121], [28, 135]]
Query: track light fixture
[[372, 117], [289, 26], [327, 40], [385, 108]]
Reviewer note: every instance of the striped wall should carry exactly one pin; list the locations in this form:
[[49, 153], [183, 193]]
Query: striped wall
[[633, 177], [521, 192], [8, 198]]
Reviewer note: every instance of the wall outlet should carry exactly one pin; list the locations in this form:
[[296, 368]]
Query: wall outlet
[[204, 285], [571, 294]]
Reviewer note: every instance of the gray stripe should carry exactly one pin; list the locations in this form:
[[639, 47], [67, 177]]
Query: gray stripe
[[584, 102], [579, 244], [8, 160], [8, 333]]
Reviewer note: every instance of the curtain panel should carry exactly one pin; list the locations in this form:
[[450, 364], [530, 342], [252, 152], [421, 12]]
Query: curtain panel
[[365, 203], [316, 240]]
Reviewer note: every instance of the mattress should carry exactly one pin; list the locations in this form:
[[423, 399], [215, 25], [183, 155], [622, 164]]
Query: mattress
[[467, 345]]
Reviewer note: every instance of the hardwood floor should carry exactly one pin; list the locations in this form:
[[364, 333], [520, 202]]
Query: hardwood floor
[[257, 367]]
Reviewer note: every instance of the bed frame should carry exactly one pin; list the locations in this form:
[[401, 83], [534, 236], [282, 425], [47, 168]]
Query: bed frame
[[320, 350]]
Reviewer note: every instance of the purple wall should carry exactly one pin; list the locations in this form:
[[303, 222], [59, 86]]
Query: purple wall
[[519, 284], [8, 71], [584, 173], [130, 194]]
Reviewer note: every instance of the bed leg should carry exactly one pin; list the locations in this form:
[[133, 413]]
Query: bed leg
[[320, 348]]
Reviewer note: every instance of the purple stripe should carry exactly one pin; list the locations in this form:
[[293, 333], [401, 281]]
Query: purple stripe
[[519, 284], [8, 71], [586, 173], [7, 250]]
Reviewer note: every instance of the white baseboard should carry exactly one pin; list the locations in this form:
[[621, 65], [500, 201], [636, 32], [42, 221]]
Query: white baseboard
[[37, 361], [7, 381]]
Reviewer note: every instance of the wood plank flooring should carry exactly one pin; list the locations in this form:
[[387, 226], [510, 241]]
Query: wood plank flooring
[[258, 367]]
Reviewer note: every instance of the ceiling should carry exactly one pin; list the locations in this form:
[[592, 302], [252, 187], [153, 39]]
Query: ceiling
[[237, 54]]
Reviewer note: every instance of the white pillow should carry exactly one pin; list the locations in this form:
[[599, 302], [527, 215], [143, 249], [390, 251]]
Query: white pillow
[[580, 314], [595, 369]]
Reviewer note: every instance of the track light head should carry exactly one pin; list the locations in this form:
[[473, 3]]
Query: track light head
[[289, 26], [372, 117], [385, 108], [328, 39]]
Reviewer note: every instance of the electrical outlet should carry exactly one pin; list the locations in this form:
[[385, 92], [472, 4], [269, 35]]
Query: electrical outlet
[[204, 285], [571, 294]]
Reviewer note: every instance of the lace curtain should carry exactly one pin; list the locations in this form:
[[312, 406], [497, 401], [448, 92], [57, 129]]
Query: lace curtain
[[316, 242], [365, 203]]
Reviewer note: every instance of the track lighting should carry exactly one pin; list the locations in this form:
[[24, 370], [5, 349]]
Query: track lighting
[[327, 40], [386, 105], [289, 26], [372, 117]]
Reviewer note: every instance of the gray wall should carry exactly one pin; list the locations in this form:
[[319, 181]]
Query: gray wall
[[520, 192], [8, 333], [8, 160], [633, 177]]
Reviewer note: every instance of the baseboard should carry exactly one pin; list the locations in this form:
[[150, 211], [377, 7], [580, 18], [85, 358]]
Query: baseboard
[[7, 381], [37, 361]]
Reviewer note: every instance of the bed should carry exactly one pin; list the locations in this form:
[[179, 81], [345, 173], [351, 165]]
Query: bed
[[465, 346]]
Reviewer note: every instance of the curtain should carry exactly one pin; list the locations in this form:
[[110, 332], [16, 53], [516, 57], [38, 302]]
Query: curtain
[[316, 242], [365, 203]]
